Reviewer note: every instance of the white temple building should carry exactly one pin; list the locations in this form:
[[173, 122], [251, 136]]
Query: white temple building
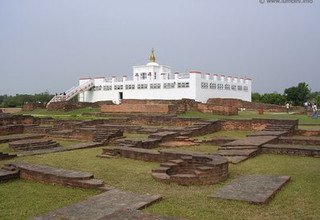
[[154, 81]]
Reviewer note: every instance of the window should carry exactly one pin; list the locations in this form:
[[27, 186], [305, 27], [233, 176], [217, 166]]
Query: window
[[220, 86], [131, 86], [142, 86], [168, 85], [245, 88], [227, 87], [143, 75], [213, 86], [118, 87], [97, 88], [183, 85], [234, 87], [155, 75], [240, 88], [155, 86], [107, 88], [204, 85]]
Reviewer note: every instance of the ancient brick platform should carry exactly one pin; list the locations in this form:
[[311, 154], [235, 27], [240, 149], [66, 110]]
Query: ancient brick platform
[[254, 141], [301, 140], [193, 170], [33, 144], [15, 137], [77, 146], [256, 189], [8, 174], [296, 150], [103, 206], [4, 156], [49, 174]]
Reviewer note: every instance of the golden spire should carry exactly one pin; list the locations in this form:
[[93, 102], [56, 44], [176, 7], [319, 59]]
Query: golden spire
[[152, 56]]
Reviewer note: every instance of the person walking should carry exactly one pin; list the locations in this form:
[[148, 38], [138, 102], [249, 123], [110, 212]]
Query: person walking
[[306, 105], [314, 111], [287, 107]]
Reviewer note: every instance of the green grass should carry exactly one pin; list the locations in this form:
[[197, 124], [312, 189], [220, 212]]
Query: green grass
[[225, 134], [299, 199], [135, 136], [66, 143], [4, 148], [308, 127], [21, 199], [303, 119], [74, 114]]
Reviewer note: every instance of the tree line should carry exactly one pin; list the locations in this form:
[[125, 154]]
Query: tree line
[[19, 99], [295, 95]]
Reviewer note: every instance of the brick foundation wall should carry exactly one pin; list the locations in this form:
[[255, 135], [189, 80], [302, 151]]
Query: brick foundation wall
[[253, 124], [217, 110], [244, 104], [292, 151], [138, 108], [32, 106], [69, 106]]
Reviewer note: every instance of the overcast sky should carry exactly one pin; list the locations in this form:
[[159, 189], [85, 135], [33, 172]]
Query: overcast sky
[[48, 45]]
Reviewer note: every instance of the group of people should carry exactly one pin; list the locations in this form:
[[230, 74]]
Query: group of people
[[314, 109]]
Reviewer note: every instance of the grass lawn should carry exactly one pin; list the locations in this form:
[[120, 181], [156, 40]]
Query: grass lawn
[[4, 148], [299, 199], [224, 134], [75, 114], [303, 119], [135, 136], [309, 127], [22, 199], [66, 143]]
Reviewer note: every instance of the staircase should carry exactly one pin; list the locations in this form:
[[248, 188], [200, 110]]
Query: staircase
[[72, 92]]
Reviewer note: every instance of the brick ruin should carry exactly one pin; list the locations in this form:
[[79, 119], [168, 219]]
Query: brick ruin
[[26, 133], [216, 106]]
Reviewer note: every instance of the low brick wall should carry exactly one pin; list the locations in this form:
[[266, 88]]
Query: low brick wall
[[193, 170], [217, 110], [32, 106], [11, 129], [8, 119], [306, 152], [253, 124], [69, 106], [138, 108], [48, 174], [307, 133]]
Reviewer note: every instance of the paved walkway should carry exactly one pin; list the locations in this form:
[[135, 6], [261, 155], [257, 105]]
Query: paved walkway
[[257, 189], [102, 206]]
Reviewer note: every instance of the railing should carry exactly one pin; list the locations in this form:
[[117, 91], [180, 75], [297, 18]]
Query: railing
[[69, 94]]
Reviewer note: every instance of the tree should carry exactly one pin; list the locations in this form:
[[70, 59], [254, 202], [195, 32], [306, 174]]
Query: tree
[[256, 97], [298, 94], [273, 98]]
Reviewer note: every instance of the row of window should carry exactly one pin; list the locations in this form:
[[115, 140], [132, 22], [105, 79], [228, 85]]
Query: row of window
[[143, 86], [205, 85]]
